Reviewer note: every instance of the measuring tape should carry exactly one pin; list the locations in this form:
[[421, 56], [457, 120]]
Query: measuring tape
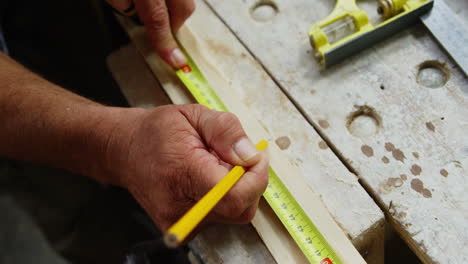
[[300, 227]]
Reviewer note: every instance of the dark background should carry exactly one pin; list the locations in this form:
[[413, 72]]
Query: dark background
[[45, 211]]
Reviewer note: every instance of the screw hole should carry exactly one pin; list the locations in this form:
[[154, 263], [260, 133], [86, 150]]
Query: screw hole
[[433, 74], [363, 122], [382, 87], [264, 10]]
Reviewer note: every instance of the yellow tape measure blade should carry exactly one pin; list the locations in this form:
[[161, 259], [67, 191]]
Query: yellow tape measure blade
[[301, 228], [199, 87], [309, 239]]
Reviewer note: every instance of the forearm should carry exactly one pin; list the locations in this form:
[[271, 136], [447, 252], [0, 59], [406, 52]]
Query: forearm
[[44, 123]]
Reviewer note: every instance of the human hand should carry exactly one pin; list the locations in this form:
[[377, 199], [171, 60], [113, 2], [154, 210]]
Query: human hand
[[171, 156], [162, 18]]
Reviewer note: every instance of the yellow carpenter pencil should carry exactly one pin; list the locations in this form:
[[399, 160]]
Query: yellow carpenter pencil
[[182, 228]]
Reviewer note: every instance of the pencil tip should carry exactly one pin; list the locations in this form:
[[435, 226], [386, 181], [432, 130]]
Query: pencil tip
[[171, 240]]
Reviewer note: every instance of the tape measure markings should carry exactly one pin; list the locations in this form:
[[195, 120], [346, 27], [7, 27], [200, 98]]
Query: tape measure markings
[[309, 239]]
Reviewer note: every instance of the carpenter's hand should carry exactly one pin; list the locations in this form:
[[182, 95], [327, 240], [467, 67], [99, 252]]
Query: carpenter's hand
[[171, 156], [161, 19]]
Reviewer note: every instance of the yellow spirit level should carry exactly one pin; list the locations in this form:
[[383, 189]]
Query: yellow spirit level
[[347, 30]]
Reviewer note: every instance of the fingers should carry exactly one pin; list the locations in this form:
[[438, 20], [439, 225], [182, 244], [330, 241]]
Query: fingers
[[154, 15], [240, 203], [179, 11], [244, 218], [204, 172], [120, 5], [223, 133]]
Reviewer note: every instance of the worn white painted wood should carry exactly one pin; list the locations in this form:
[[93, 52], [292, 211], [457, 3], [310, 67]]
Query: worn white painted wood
[[406, 142], [352, 209], [290, 174]]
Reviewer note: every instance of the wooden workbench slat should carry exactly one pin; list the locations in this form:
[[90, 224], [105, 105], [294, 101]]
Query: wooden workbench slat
[[308, 200], [407, 142], [353, 209]]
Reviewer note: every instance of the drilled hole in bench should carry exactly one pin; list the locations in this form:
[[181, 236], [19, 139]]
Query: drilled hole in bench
[[433, 74], [363, 122], [264, 10]]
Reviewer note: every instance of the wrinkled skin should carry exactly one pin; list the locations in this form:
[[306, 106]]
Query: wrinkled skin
[[175, 154]]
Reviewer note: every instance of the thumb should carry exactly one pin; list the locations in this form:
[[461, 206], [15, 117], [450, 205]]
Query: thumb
[[155, 17], [120, 5], [223, 133]]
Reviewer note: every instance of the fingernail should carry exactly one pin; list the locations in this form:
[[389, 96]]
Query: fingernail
[[178, 59], [245, 149]]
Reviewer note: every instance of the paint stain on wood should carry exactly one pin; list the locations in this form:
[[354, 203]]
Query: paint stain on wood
[[397, 182], [403, 177], [398, 155], [324, 124], [217, 47], [418, 186], [444, 172], [416, 170], [426, 193], [401, 215], [323, 145], [283, 142], [430, 126], [367, 150], [389, 146], [390, 184], [385, 160], [283, 101]]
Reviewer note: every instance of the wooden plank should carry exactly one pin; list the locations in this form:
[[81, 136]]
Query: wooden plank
[[308, 200], [135, 79], [406, 142]]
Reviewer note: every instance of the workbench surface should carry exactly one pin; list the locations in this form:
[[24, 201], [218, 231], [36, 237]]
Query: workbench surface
[[388, 122]]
